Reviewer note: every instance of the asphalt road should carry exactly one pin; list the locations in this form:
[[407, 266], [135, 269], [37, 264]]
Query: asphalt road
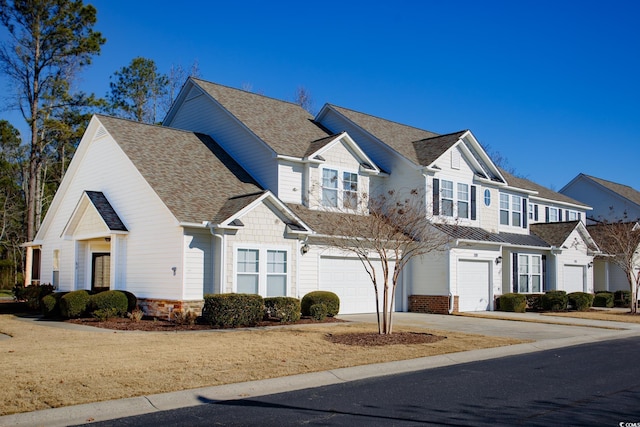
[[592, 384]]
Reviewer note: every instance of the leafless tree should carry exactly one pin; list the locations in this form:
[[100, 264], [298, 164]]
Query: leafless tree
[[388, 230], [177, 76], [620, 241], [303, 98]]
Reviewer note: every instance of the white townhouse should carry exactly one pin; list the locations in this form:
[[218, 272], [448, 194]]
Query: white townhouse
[[235, 190]]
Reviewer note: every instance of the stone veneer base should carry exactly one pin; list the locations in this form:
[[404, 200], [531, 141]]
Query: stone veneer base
[[162, 308]]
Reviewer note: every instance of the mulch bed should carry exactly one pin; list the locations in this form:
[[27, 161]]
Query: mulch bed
[[158, 325], [369, 339]]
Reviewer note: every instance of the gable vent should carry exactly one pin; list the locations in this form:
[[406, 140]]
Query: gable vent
[[102, 132]]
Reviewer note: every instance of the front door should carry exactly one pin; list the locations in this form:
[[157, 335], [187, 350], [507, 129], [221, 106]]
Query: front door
[[100, 271]]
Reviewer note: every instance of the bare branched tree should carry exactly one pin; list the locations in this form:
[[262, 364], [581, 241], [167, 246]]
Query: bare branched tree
[[176, 77], [620, 241], [385, 232], [303, 98]]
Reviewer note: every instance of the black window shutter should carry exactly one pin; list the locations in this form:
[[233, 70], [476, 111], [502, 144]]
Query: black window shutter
[[515, 272], [436, 196], [579, 216], [473, 202], [535, 212], [560, 215], [546, 214], [544, 273], [525, 212]]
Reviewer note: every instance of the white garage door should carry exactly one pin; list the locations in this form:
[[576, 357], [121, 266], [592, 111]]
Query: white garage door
[[573, 278], [473, 285], [347, 278]]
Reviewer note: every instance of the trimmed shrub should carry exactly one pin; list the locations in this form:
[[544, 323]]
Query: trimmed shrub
[[285, 309], [327, 298], [516, 303], [50, 304], [74, 304], [580, 301], [103, 314], [233, 310], [534, 302], [318, 311], [622, 298], [115, 301], [132, 301], [555, 301], [603, 299], [32, 295]]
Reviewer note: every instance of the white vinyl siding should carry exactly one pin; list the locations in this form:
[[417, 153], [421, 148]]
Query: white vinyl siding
[[198, 265], [154, 236]]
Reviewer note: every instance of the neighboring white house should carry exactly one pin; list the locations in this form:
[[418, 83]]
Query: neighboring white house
[[235, 191], [611, 202]]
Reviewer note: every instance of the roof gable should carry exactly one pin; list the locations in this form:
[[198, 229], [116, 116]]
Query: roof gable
[[285, 127], [193, 176], [326, 144], [622, 190], [93, 216]]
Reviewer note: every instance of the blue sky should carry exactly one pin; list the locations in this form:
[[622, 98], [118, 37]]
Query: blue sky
[[552, 85]]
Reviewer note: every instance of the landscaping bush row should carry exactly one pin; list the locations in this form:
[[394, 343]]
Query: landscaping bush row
[[549, 301], [234, 310], [80, 303]]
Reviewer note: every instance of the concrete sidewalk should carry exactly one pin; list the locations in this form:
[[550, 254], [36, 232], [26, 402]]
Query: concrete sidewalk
[[546, 336]]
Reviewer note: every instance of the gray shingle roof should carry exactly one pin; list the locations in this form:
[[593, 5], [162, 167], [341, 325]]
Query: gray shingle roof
[[401, 138], [554, 233], [284, 126], [543, 192], [106, 211], [623, 190], [430, 149], [190, 173], [481, 235]]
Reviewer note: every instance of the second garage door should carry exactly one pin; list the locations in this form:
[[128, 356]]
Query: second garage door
[[473, 285], [347, 278], [573, 278]]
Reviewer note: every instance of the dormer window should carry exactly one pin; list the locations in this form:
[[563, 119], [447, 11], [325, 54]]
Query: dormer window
[[332, 196]]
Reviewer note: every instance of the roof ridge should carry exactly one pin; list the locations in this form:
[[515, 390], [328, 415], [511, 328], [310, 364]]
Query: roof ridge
[[386, 120], [251, 93], [153, 125], [608, 180]]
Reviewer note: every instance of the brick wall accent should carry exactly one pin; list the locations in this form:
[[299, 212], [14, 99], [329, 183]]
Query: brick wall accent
[[162, 308], [435, 304]]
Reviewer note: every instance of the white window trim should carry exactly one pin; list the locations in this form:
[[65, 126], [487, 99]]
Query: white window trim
[[340, 189], [262, 265], [455, 200], [557, 217], [530, 274], [510, 211]]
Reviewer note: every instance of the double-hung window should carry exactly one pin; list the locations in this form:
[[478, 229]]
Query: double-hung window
[[350, 190], [330, 188], [463, 201], [262, 271], [572, 216], [553, 214], [510, 210], [446, 198], [529, 273]]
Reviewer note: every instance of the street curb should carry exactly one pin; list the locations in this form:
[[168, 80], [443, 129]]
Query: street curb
[[108, 410]]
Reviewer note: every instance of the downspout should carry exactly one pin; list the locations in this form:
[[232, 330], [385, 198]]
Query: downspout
[[221, 277], [451, 297]]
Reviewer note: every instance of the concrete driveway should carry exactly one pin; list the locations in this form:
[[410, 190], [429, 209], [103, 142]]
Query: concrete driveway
[[531, 326]]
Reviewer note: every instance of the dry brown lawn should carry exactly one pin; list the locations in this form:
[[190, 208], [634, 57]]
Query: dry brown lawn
[[47, 367]]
